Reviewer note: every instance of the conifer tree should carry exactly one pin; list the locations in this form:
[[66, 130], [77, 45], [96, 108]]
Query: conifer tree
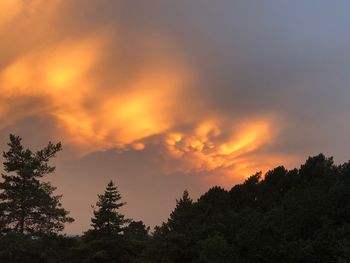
[[178, 234], [107, 220], [182, 213], [28, 205]]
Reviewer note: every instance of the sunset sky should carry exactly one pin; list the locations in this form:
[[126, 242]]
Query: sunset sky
[[162, 96]]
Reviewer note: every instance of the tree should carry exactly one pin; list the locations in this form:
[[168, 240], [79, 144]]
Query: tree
[[137, 236], [178, 233], [136, 230], [214, 249], [182, 213], [28, 205], [107, 220], [317, 166], [18, 248], [106, 241]]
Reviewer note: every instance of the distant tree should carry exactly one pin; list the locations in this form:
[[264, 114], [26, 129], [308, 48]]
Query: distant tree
[[105, 242], [214, 209], [276, 184], [299, 215], [137, 237], [245, 195], [107, 219], [27, 204], [178, 236], [181, 215], [317, 166], [136, 230], [158, 247]]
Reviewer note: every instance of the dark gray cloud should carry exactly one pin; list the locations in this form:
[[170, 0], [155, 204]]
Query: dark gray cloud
[[251, 56]]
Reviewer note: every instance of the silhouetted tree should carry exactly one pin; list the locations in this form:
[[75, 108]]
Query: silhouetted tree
[[137, 236], [300, 215], [214, 209], [107, 219], [214, 249], [245, 195], [27, 204], [18, 248], [176, 236], [105, 242], [292, 216], [317, 166]]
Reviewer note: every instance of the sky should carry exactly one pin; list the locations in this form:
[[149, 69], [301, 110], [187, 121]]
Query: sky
[[162, 96]]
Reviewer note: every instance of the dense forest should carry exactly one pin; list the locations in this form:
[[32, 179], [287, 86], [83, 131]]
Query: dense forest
[[299, 215]]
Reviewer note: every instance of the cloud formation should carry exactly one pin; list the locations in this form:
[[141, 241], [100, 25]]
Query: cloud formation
[[112, 88], [196, 93]]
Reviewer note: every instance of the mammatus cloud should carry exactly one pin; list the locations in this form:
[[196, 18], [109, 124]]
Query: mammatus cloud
[[169, 95], [77, 80], [218, 147]]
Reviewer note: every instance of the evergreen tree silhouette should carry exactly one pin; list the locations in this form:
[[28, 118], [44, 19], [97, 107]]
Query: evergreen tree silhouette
[[174, 239], [107, 220], [27, 204]]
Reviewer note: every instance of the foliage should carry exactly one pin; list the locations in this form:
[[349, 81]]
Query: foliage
[[27, 204], [110, 240], [19, 248], [300, 215], [107, 221]]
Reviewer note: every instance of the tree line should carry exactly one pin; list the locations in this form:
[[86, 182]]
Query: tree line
[[298, 215]]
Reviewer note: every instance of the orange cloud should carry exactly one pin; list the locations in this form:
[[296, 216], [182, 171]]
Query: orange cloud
[[53, 71], [205, 149], [12, 9], [59, 74], [96, 109], [93, 117]]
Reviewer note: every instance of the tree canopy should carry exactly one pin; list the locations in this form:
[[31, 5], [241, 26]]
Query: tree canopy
[[27, 203], [107, 219], [298, 215]]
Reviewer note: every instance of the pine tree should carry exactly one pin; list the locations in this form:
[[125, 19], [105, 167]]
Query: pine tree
[[178, 220], [28, 205], [106, 242], [178, 233], [107, 220]]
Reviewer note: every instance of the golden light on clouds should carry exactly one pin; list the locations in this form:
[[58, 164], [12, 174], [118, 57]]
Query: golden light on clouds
[[63, 76], [206, 149], [12, 9], [23, 14], [95, 109], [54, 71]]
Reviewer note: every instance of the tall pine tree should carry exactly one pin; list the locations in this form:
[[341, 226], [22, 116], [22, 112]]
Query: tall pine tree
[[175, 240], [27, 204], [107, 220], [106, 242]]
